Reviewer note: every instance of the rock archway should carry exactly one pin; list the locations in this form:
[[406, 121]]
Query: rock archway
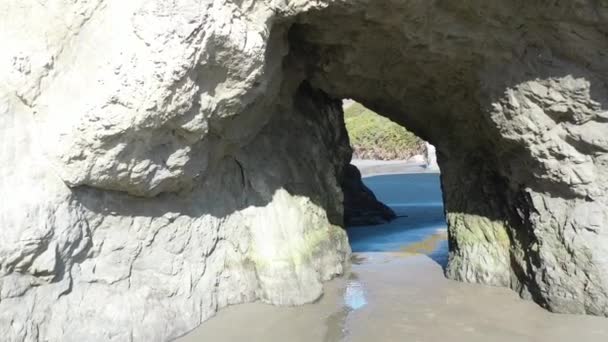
[[169, 159], [516, 108]]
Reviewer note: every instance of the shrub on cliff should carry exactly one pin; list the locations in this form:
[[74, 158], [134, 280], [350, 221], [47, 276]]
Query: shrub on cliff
[[375, 137]]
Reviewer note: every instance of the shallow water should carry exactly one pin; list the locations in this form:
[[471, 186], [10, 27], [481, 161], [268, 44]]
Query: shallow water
[[420, 227], [396, 291]]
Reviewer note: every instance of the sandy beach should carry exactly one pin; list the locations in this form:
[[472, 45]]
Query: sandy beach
[[396, 291], [401, 297], [371, 168]]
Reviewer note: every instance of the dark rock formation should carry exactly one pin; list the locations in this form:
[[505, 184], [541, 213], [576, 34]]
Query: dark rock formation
[[360, 204]]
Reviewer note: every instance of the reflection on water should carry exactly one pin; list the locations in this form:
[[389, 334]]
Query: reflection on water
[[354, 296], [420, 227], [354, 299]]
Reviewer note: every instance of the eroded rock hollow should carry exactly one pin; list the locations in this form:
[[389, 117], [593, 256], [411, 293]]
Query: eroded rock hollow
[[161, 160]]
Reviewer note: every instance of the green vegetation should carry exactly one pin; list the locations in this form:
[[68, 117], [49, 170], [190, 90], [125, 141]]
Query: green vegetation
[[375, 137]]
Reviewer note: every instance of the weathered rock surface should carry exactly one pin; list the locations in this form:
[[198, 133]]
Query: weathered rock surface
[[161, 160]]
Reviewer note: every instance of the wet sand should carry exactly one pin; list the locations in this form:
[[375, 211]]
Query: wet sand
[[399, 297], [396, 291]]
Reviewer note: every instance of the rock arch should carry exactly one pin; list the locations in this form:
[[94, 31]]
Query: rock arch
[[508, 106], [171, 159]]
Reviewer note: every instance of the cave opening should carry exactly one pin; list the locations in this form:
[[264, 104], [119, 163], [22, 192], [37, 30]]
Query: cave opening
[[392, 194], [431, 94]]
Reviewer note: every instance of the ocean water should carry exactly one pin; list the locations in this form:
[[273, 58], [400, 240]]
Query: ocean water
[[420, 227]]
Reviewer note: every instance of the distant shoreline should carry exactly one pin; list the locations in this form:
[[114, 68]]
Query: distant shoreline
[[371, 168]]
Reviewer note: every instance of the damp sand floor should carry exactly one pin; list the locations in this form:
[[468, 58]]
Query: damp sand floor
[[396, 291]]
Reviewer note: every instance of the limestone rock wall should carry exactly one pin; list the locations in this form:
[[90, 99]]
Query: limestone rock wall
[[161, 160]]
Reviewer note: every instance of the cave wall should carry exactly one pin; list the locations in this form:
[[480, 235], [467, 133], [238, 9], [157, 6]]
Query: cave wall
[[169, 159], [514, 96], [159, 164]]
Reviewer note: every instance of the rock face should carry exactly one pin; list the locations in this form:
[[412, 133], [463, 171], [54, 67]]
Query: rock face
[[161, 160], [361, 207], [431, 157]]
